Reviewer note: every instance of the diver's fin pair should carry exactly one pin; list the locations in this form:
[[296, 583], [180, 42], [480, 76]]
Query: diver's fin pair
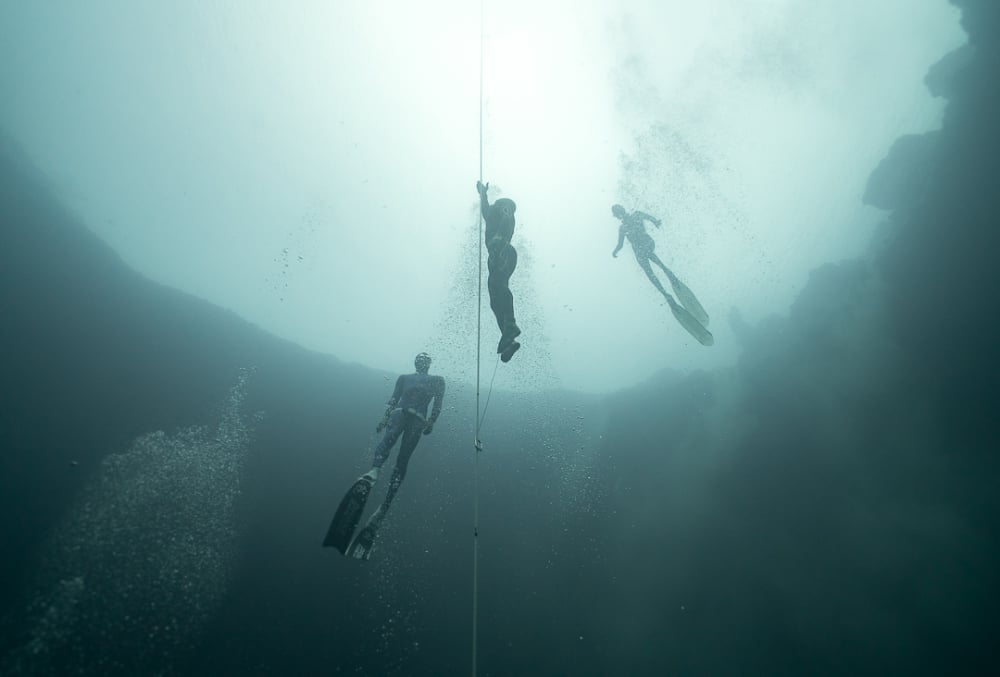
[[348, 514], [688, 300], [510, 332], [692, 325], [509, 351], [508, 346]]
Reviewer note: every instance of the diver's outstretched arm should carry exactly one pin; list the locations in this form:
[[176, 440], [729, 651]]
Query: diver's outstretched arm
[[652, 219], [484, 204], [621, 240]]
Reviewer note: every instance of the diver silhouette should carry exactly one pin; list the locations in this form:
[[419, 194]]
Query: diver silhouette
[[689, 312], [502, 260], [406, 417]]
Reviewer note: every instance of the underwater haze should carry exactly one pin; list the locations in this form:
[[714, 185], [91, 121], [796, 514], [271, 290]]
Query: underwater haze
[[226, 228], [312, 166]]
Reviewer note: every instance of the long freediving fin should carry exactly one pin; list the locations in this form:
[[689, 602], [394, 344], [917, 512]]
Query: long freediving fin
[[693, 326], [348, 514], [361, 546], [688, 300]]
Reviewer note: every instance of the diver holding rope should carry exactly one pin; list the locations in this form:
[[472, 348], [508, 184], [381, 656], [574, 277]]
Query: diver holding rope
[[502, 260]]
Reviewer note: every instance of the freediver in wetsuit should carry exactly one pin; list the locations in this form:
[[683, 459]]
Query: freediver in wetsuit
[[502, 260], [633, 227], [406, 417], [689, 312]]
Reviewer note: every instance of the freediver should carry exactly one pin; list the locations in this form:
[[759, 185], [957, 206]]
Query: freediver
[[689, 312], [405, 417], [501, 262]]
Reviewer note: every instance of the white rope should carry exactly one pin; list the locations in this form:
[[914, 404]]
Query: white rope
[[478, 446]]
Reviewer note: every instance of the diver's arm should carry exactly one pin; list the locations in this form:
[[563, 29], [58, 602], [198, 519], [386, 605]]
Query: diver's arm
[[436, 408], [646, 217], [484, 204], [621, 240], [438, 400]]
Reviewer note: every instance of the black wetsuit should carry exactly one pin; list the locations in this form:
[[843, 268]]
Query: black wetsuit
[[502, 259], [408, 417]]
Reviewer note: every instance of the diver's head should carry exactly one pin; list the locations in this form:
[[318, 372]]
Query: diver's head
[[422, 362], [618, 211], [506, 206]]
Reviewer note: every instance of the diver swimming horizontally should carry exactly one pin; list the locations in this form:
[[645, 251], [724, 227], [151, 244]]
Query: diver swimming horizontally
[[689, 312], [502, 260], [406, 417]]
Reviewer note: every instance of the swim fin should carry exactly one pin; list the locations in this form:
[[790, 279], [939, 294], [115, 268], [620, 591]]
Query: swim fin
[[348, 514], [692, 325], [509, 351], [687, 299], [361, 546], [511, 332]]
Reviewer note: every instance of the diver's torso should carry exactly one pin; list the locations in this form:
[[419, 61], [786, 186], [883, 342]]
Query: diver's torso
[[635, 231], [499, 224], [418, 390]]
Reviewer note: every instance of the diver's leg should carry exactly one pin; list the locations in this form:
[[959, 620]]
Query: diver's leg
[[345, 521], [496, 285], [504, 308], [648, 269], [684, 295], [411, 436], [497, 302], [392, 433], [656, 259]]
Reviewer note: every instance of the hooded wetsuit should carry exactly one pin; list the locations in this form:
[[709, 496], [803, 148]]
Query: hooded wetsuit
[[408, 417]]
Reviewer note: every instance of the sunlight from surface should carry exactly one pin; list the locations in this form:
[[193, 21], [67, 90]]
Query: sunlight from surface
[[312, 166]]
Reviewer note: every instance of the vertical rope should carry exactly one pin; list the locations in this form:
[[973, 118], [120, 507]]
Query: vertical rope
[[479, 344]]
